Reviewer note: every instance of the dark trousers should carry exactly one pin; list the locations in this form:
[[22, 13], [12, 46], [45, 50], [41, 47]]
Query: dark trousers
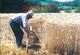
[[17, 32]]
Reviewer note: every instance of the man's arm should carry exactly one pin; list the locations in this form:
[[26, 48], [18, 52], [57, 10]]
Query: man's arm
[[27, 30]]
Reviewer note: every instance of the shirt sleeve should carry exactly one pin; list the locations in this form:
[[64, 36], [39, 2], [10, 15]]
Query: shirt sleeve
[[24, 20]]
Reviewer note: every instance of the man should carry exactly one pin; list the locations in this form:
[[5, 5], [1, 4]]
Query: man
[[19, 21]]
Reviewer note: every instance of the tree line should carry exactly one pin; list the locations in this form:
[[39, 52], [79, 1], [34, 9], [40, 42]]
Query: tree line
[[16, 5]]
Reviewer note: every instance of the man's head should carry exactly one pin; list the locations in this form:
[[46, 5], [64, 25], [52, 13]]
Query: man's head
[[29, 14]]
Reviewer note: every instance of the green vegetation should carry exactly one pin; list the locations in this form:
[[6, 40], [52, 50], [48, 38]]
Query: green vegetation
[[44, 10], [68, 11], [16, 5], [77, 10]]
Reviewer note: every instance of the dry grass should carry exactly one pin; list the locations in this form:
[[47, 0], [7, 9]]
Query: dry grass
[[59, 34]]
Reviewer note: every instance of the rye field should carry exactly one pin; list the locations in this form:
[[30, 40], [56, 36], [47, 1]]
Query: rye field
[[59, 34]]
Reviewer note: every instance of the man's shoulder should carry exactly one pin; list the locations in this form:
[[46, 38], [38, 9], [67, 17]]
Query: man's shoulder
[[16, 15]]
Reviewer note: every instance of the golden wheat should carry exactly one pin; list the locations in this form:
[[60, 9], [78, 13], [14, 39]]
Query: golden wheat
[[59, 33]]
